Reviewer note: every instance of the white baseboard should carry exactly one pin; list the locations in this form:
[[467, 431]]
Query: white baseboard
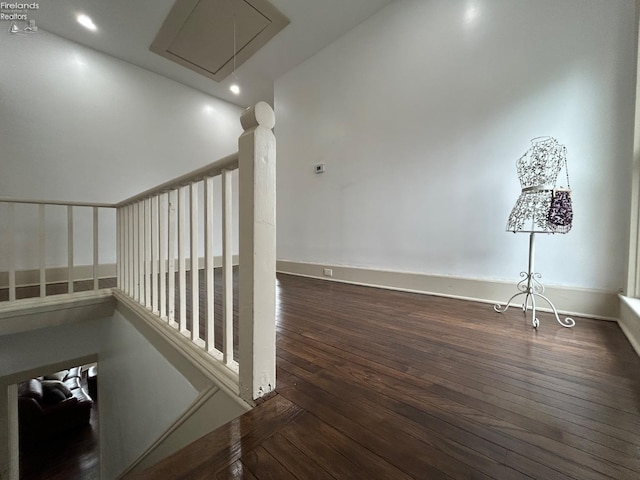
[[630, 320], [570, 301]]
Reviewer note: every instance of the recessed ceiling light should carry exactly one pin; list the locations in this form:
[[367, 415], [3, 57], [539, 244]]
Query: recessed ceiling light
[[471, 14], [235, 89], [79, 61], [86, 22]]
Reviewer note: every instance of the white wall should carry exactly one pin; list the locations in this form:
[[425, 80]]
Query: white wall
[[22, 352], [26, 236], [141, 394], [81, 125], [420, 113]]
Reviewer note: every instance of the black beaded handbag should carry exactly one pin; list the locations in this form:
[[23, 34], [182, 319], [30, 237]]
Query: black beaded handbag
[[560, 216]]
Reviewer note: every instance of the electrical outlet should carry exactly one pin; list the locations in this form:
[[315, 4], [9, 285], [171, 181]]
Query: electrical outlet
[[327, 272]]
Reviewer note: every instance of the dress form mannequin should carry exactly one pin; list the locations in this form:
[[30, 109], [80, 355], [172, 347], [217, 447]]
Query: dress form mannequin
[[538, 171]]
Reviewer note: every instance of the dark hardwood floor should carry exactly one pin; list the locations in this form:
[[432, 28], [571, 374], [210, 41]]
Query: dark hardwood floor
[[376, 384]]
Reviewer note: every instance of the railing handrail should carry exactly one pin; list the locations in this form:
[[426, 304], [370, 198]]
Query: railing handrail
[[34, 201], [230, 162]]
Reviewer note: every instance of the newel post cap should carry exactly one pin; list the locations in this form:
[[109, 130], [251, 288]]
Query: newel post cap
[[260, 114]]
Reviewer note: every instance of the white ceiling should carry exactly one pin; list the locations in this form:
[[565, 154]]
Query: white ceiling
[[127, 28]]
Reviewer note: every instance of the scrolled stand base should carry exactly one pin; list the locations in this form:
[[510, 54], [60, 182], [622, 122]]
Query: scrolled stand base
[[530, 302], [531, 288]]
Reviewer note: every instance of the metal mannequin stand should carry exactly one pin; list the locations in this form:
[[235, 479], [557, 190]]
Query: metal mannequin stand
[[531, 288]]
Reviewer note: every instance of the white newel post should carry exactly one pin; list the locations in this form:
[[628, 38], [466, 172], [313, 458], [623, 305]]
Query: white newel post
[[257, 184]]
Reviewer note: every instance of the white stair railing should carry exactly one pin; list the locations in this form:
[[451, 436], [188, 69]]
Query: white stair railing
[[38, 222], [160, 256], [158, 261]]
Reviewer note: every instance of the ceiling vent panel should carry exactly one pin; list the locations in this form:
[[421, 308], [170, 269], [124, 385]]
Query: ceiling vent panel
[[201, 34]]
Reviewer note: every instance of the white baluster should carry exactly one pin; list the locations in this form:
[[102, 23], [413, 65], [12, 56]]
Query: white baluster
[[124, 269], [118, 248], [208, 263], [162, 257], [42, 249], [195, 287], [95, 249], [70, 249], [11, 256], [182, 275], [171, 248], [227, 267], [135, 227], [131, 259], [141, 256], [154, 254], [147, 253]]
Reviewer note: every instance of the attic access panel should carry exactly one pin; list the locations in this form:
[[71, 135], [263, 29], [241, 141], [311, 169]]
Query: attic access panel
[[199, 34]]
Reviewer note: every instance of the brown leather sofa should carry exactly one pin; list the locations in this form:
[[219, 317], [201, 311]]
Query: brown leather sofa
[[52, 404]]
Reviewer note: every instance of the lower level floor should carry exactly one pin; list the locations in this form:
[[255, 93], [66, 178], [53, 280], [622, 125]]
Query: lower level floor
[[70, 455]]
